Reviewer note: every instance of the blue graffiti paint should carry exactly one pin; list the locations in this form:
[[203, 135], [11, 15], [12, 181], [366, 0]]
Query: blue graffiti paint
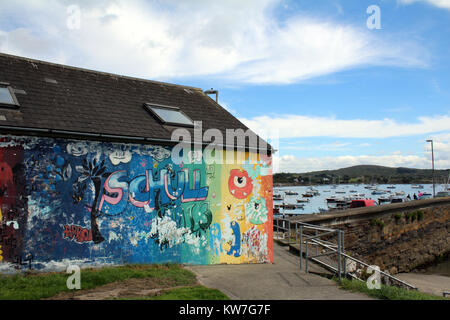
[[125, 198], [235, 248]]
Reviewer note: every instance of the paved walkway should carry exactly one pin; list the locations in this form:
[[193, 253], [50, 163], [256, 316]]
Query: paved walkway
[[428, 283], [281, 280]]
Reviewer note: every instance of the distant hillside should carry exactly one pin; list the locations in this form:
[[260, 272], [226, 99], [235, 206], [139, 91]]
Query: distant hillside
[[362, 174]]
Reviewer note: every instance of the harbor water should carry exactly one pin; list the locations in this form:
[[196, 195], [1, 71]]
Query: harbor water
[[318, 202]]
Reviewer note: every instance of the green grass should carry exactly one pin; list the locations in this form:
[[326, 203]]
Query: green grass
[[186, 293], [38, 286], [387, 292]]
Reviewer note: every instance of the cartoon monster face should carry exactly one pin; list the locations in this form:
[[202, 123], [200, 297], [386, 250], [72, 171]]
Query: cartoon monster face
[[240, 184], [256, 210]]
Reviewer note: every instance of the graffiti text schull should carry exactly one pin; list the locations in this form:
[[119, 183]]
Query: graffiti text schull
[[148, 190]]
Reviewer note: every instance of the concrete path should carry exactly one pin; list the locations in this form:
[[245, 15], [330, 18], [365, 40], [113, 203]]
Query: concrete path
[[281, 280], [428, 283]]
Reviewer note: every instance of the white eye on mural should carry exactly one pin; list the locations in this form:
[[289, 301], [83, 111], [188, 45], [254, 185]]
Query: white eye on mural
[[240, 182], [194, 156]]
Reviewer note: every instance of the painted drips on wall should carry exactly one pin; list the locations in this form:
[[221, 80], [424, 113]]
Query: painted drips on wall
[[105, 203]]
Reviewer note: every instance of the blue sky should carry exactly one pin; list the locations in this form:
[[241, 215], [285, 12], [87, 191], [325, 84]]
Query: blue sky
[[335, 92]]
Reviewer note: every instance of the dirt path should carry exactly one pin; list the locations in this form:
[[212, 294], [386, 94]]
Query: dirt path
[[130, 288]]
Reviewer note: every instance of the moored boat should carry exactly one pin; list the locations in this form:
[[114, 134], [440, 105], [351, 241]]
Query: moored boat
[[397, 200], [312, 190], [357, 196], [277, 197], [384, 200], [331, 199], [288, 206]]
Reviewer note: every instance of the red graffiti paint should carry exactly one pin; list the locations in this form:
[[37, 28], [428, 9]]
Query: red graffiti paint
[[12, 213], [77, 233], [240, 184], [6, 176]]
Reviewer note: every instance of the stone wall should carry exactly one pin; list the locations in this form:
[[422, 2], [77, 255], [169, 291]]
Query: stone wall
[[396, 237]]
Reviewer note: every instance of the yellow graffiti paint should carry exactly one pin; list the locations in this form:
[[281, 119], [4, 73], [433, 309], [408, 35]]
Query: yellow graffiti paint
[[235, 202]]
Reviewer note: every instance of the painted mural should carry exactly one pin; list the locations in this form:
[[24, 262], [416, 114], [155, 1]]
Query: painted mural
[[105, 203]]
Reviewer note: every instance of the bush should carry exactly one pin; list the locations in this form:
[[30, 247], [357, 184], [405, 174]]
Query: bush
[[377, 222], [415, 215], [420, 215]]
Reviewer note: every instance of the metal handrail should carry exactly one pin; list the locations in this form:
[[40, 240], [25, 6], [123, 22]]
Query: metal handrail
[[381, 272], [367, 265], [337, 249], [320, 235], [312, 226], [283, 228]]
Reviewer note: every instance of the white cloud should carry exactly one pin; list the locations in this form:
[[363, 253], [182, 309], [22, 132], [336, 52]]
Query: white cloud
[[337, 145], [295, 126], [444, 4], [290, 163], [365, 144], [441, 146], [239, 40]]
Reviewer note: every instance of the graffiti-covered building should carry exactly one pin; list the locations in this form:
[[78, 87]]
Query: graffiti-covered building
[[87, 173]]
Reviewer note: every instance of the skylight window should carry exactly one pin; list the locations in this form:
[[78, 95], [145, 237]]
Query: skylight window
[[169, 115], [7, 97]]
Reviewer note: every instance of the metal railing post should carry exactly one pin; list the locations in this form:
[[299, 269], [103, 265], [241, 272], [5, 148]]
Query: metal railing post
[[301, 247], [338, 249], [306, 256], [317, 246], [289, 232], [343, 251], [276, 226], [339, 255]]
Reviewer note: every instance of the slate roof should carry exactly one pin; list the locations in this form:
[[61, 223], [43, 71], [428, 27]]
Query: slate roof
[[60, 97]]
